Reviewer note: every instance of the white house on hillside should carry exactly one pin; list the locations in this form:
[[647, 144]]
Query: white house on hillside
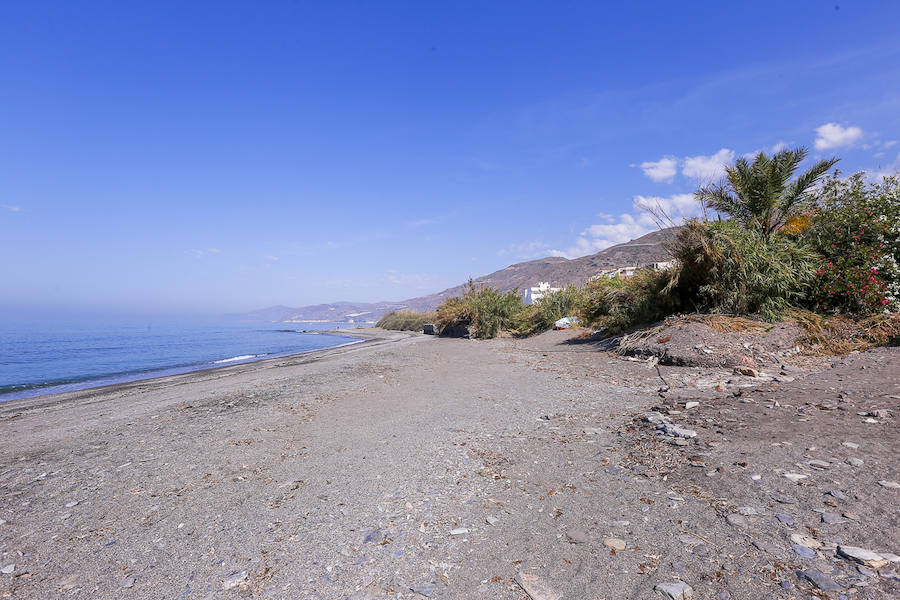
[[533, 294]]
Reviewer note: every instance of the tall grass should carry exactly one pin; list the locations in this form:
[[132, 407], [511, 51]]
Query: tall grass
[[406, 320], [543, 314], [483, 311]]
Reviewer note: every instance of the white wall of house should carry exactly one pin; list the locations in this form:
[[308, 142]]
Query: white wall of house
[[531, 295]]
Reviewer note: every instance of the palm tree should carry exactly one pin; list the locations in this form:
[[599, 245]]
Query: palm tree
[[759, 195]]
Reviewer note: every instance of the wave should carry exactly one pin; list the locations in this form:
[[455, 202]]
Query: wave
[[236, 358]]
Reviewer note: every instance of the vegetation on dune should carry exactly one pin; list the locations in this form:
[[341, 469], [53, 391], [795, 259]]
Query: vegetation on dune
[[779, 242], [406, 320]]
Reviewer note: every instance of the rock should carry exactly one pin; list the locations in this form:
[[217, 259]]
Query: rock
[[837, 494], [655, 418], [768, 547], [862, 556], [889, 484], [690, 405], [850, 445], [677, 590], [832, 518], [70, 582], [235, 580], [747, 511], [737, 520], [459, 531], [871, 421], [855, 462], [881, 413], [747, 371], [678, 430], [805, 540], [785, 519], [491, 520], [851, 516], [819, 464], [73, 503], [535, 587], [128, 582], [803, 551], [795, 477], [689, 540], [890, 557], [423, 589], [786, 585], [8, 569], [615, 543], [819, 579], [373, 536], [577, 536], [784, 499]]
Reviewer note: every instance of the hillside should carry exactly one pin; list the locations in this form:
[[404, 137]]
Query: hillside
[[556, 270]]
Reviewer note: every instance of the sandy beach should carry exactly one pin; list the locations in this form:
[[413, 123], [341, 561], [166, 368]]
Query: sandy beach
[[411, 466]]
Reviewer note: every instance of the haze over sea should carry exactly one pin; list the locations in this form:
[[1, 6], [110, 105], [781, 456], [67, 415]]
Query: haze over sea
[[40, 357]]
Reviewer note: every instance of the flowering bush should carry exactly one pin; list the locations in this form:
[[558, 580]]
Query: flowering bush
[[855, 227]]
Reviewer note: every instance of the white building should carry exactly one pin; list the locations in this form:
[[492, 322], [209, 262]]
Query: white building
[[533, 294]]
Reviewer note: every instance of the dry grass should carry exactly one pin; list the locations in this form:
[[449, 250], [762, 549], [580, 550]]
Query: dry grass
[[837, 335]]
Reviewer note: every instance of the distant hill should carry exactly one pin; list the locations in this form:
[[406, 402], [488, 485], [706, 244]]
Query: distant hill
[[556, 270]]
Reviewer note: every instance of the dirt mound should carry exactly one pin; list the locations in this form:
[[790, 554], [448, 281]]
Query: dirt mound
[[715, 341]]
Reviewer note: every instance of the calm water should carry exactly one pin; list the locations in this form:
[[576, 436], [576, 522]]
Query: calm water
[[39, 358]]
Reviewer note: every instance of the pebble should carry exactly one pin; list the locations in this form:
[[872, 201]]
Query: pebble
[[536, 588], [678, 430], [2, 521], [832, 518], [459, 531], [235, 579], [787, 585], [615, 543], [795, 477], [424, 589], [850, 445], [819, 579], [8, 569], [819, 464], [737, 520], [491, 520], [805, 540], [690, 405], [768, 547], [73, 503], [862, 556], [374, 535], [677, 590], [778, 497], [852, 516], [855, 462], [889, 484], [127, 583], [785, 519], [689, 540], [747, 511], [803, 551]]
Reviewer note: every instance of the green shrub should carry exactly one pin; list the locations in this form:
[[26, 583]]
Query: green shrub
[[406, 320], [544, 313], [726, 268], [855, 227], [621, 303], [484, 311]]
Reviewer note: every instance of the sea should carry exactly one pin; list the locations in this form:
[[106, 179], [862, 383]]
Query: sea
[[39, 357]]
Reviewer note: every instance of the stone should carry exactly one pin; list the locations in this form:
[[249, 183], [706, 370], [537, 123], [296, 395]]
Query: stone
[[819, 579], [850, 445], [235, 580], [803, 551], [747, 511], [862, 556], [677, 590], [373, 536], [795, 477], [128, 582], [786, 585], [737, 520], [459, 531], [832, 518], [890, 557], [893, 485], [768, 547], [819, 464], [689, 540], [782, 498], [855, 462], [536, 588], [785, 519], [491, 520], [577, 536], [851, 516], [8, 569], [837, 494], [678, 430], [423, 589], [690, 405], [615, 543], [746, 371], [805, 540]]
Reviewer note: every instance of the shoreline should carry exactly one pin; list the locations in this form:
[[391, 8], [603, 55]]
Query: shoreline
[[212, 371]]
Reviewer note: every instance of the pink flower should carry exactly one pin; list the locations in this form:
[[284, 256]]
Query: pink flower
[[884, 301]]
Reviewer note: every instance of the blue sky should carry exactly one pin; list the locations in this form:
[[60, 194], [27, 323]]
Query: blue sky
[[208, 157]]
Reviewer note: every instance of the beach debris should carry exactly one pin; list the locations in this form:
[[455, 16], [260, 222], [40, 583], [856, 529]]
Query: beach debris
[[677, 590], [235, 580], [566, 323], [862, 556], [536, 588]]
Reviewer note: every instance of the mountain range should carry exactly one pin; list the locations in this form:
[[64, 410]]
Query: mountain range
[[558, 271]]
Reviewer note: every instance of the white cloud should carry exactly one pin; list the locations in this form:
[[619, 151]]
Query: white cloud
[[629, 226], [198, 252], [11, 208], [875, 175], [832, 135], [663, 169], [708, 168], [890, 144]]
